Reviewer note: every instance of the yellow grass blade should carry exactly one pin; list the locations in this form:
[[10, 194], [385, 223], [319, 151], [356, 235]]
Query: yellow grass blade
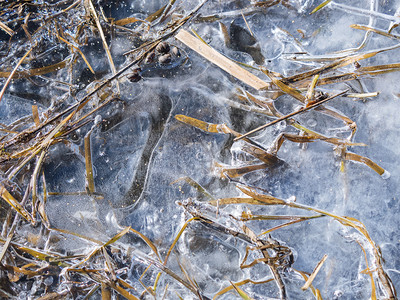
[[314, 273], [323, 4]]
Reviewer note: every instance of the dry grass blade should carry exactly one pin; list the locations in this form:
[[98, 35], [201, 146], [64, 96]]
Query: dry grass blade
[[323, 4], [194, 184], [229, 288], [381, 32], [166, 270], [154, 16], [207, 127], [286, 224], [121, 291], [261, 154], [105, 291], [79, 51], [15, 204], [36, 71], [172, 247], [241, 293], [6, 29], [88, 164], [33, 183], [311, 89], [81, 236], [212, 128], [35, 115], [233, 172], [117, 236], [236, 200], [147, 241], [40, 146], [126, 21], [221, 61], [387, 285], [284, 87], [177, 238], [103, 38], [373, 287], [265, 199], [194, 208], [305, 277], [314, 273], [365, 160], [10, 76]]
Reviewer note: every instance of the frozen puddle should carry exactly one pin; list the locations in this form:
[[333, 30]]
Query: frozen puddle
[[304, 208]]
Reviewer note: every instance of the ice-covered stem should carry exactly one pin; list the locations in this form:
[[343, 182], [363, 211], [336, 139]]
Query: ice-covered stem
[[197, 209], [386, 284], [363, 12], [372, 13]]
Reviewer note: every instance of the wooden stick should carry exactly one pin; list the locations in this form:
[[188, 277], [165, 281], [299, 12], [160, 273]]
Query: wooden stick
[[221, 61]]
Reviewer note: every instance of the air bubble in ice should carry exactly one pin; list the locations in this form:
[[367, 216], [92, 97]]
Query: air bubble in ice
[[311, 122]]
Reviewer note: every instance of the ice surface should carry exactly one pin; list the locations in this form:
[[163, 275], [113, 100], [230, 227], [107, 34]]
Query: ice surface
[[142, 156]]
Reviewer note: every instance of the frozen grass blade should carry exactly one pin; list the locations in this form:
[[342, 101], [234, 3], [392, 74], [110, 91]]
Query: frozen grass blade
[[285, 224], [234, 172], [33, 183], [15, 204], [365, 160], [41, 205], [229, 288], [322, 5], [385, 281], [105, 291], [314, 273], [126, 21], [241, 293], [301, 110], [10, 76], [79, 51], [236, 200], [147, 241], [88, 164], [172, 247], [103, 38], [35, 115], [36, 71], [6, 29], [196, 185], [284, 87], [313, 290], [370, 273]]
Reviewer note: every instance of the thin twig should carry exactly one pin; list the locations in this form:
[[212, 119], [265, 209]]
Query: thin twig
[[302, 110]]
